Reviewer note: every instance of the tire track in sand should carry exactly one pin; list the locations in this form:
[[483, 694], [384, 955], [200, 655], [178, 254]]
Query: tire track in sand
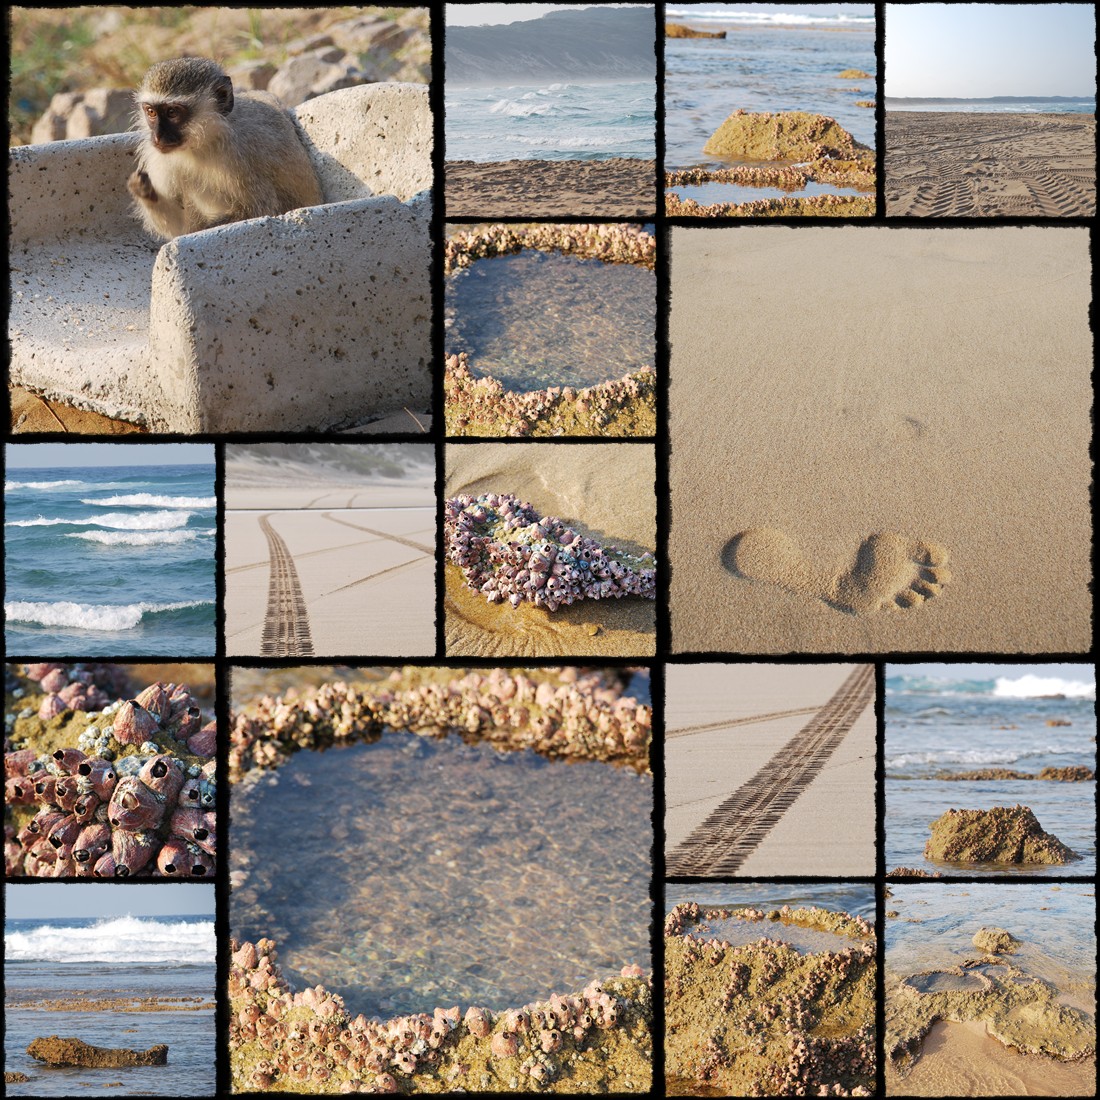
[[735, 829], [685, 731], [286, 624]]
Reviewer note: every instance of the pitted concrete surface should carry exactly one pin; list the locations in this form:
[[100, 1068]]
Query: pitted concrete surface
[[316, 319]]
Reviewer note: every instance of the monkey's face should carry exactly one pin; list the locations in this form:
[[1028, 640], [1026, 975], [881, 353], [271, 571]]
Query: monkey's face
[[167, 124]]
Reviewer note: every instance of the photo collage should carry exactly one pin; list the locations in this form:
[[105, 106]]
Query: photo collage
[[690, 403]]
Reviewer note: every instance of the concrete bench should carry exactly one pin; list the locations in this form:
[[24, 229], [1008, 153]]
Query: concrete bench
[[316, 319]]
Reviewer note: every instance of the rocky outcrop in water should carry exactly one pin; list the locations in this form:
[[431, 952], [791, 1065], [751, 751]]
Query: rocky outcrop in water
[[1074, 774], [995, 941], [678, 30], [787, 135], [75, 1052], [1003, 834]]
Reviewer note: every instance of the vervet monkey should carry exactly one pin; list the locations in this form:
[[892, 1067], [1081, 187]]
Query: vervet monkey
[[209, 157]]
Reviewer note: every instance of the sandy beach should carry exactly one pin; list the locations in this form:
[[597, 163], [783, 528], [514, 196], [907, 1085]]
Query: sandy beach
[[886, 455], [734, 802], [990, 164], [622, 187], [604, 491], [337, 567]]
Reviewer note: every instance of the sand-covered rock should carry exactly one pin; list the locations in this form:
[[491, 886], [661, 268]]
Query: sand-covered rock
[[1003, 834], [995, 941], [678, 30], [75, 1052], [854, 74], [787, 135]]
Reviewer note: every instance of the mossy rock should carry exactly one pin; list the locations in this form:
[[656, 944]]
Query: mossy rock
[[1003, 834], [788, 135]]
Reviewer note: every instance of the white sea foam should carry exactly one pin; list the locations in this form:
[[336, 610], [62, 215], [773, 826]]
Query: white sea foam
[[144, 521], [136, 538], [974, 756], [1031, 687], [89, 616], [137, 940], [515, 109], [41, 484], [779, 18], [152, 500]]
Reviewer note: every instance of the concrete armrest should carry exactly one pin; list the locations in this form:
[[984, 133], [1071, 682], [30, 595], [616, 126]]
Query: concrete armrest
[[305, 318], [71, 188]]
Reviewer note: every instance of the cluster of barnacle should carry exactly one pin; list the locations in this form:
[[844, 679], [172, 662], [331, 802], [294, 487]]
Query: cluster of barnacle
[[568, 714], [841, 206], [474, 403], [88, 687], [282, 1038], [479, 405], [613, 244], [507, 552], [772, 998], [134, 796]]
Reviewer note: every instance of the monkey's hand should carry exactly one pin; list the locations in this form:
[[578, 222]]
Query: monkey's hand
[[141, 187]]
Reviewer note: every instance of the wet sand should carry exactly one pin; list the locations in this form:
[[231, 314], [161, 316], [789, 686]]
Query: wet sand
[[964, 1060], [620, 188], [884, 456], [990, 164], [604, 491]]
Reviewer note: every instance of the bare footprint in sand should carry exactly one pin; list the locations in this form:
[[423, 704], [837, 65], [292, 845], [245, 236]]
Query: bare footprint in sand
[[890, 572]]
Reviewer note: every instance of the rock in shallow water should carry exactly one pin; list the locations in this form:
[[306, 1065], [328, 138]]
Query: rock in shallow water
[[995, 941], [1003, 834], [76, 1052]]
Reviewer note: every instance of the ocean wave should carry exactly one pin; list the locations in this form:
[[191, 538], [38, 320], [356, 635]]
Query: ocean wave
[[153, 500], [512, 108], [41, 484], [137, 538], [977, 756], [1034, 687], [90, 616], [147, 521], [118, 938], [780, 18]]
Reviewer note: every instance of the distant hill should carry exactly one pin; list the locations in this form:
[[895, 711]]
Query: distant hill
[[594, 44]]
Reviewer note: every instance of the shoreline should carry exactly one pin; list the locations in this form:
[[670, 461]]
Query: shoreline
[[619, 187], [990, 164]]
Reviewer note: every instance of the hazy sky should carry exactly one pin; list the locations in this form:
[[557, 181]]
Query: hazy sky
[[30, 456], [978, 50], [481, 15], [1081, 673], [89, 899]]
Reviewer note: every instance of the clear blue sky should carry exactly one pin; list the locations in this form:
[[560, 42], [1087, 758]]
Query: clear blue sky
[[978, 50], [89, 899], [36, 456], [1080, 673], [481, 15]]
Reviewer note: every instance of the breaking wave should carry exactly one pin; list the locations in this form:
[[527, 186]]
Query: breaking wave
[[142, 940], [91, 616]]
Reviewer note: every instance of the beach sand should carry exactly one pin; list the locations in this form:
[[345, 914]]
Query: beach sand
[[618, 188], [962, 164], [962, 1059], [928, 388], [830, 826], [603, 490], [364, 554]]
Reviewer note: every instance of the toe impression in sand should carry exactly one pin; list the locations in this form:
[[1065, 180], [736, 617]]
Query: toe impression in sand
[[890, 572]]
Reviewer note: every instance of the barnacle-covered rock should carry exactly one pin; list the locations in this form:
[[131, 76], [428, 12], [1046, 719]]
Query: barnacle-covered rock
[[95, 792], [322, 1048], [577, 714], [475, 405], [1003, 834], [509, 553]]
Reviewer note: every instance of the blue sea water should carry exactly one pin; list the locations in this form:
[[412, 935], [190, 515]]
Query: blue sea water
[[551, 121], [939, 725], [118, 957], [785, 59], [115, 560], [1071, 106]]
